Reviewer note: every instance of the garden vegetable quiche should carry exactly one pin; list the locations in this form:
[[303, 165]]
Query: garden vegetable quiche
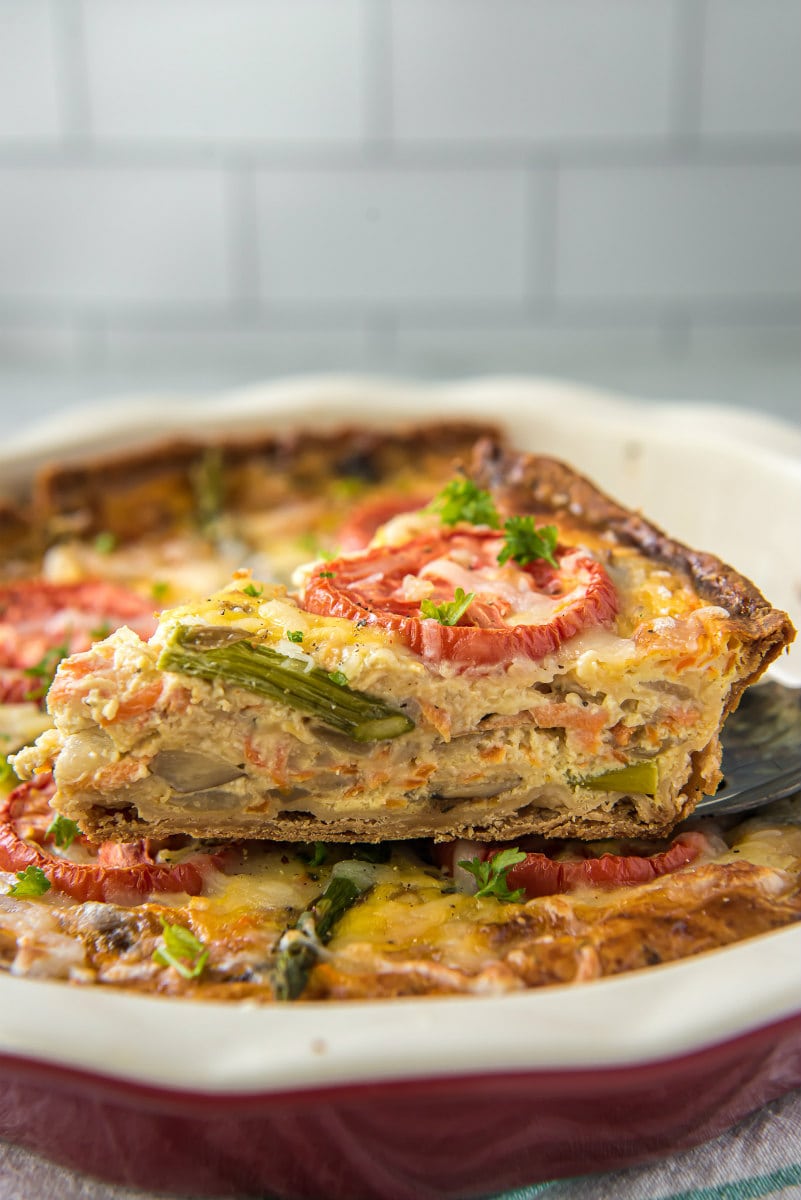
[[449, 753]]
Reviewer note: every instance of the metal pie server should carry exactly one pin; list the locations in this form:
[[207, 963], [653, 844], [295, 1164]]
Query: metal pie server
[[761, 750]]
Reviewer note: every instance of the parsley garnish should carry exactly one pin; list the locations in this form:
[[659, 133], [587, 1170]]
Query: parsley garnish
[[250, 589], [348, 487], [310, 544], [449, 612], [32, 882], [318, 854], [182, 950], [63, 831], [525, 543], [101, 633], [326, 575], [105, 542], [8, 777], [44, 670], [491, 875], [209, 489], [378, 852], [338, 677], [295, 635], [462, 500], [160, 589]]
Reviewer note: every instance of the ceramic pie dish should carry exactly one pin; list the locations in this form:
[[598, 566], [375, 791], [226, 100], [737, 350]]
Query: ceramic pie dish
[[434, 1097]]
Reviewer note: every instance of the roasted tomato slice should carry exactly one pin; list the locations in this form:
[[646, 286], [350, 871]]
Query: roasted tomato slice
[[541, 875], [41, 623], [517, 612], [125, 873], [368, 516]]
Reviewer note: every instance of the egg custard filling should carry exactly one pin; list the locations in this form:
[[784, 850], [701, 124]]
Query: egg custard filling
[[455, 753], [467, 675]]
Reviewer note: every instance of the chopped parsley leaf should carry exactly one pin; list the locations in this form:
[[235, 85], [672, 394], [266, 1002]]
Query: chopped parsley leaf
[[491, 875], [348, 487], [378, 852], [317, 854], [105, 542], [449, 612], [310, 544], [32, 882], [44, 670], [338, 677], [8, 777], [250, 589], [63, 831], [463, 500], [181, 950], [295, 635], [209, 489], [525, 543], [326, 575]]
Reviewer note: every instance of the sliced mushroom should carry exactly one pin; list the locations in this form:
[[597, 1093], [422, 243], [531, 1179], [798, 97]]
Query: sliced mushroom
[[187, 771]]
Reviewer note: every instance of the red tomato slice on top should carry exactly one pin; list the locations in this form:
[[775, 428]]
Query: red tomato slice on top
[[517, 612], [365, 518]]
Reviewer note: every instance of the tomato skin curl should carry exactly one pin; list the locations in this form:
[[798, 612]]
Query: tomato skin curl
[[132, 882], [539, 875], [366, 518], [364, 588]]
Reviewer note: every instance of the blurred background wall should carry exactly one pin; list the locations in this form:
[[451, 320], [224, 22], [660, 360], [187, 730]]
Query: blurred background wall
[[201, 192]]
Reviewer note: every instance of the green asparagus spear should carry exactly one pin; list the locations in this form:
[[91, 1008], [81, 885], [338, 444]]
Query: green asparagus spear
[[642, 777], [287, 680], [300, 946], [208, 487]]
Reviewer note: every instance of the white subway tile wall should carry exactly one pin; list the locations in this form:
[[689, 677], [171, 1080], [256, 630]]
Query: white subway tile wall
[[473, 71], [696, 234], [227, 71], [29, 72], [750, 71], [97, 237], [395, 238], [433, 185]]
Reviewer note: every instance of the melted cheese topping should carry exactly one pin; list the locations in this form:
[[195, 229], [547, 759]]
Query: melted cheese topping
[[412, 931]]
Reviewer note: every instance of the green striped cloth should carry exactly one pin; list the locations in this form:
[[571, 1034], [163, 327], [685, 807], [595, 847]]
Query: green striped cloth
[[759, 1157]]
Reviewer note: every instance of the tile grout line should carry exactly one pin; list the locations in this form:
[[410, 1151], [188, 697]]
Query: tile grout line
[[579, 316], [73, 80], [689, 40], [443, 157], [377, 82]]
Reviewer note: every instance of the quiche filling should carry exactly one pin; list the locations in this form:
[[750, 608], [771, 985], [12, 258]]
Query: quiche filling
[[573, 690], [448, 757]]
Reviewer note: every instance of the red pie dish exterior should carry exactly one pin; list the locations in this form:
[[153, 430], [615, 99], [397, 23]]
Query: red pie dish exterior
[[460, 1137], [404, 1100]]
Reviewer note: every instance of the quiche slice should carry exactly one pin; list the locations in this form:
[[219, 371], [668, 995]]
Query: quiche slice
[[522, 657]]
